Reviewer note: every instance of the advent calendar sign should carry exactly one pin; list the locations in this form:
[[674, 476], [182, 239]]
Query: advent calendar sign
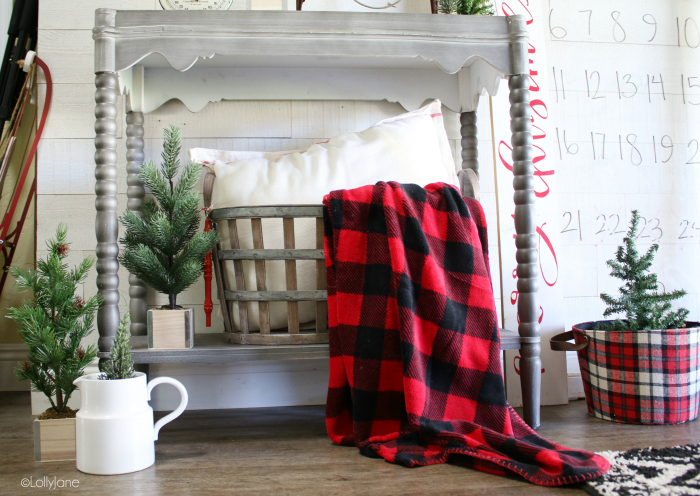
[[625, 89], [615, 89]]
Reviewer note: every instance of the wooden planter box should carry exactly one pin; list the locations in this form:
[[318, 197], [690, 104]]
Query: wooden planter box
[[171, 329], [54, 440]]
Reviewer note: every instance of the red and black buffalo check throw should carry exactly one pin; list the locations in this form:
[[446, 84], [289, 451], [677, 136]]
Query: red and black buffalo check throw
[[415, 371]]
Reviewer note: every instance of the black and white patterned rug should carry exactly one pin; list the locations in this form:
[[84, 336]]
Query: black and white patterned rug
[[664, 471]]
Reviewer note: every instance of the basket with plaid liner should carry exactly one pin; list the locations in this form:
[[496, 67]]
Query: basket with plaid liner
[[637, 377]]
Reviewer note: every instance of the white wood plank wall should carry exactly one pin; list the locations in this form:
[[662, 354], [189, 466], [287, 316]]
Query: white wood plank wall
[[66, 181]]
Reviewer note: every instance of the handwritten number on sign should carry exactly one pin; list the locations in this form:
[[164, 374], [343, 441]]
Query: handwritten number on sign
[[664, 144], [668, 146], [687, 30], [593, 144], [571, 149], [695, 34], [571, 217], [602, 228], [654, 81], [641, 234], [556, 85], [655, 229], [618, 30], [607, 221], [566, 228], [627, 78], [663, 150], [687, 226], [690, 161], [689, 26], [614, 229], [595, 94], [590, 13], [653, 21], [560, 32], [690, 85], [634, 150]]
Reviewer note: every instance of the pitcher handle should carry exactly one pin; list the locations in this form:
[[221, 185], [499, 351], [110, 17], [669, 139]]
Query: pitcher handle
[[175, 413]]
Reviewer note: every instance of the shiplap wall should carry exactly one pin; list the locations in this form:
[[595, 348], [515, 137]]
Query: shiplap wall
[[66, 181]]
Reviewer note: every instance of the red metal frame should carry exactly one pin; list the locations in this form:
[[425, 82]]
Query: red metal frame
[[5, 234], [8, 247]]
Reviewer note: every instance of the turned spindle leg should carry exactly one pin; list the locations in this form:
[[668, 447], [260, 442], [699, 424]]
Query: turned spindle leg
[[470, 152], [526, 245], [135, 193], [106, 206]]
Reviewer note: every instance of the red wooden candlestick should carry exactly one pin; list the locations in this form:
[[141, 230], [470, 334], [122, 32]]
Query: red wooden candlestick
[[208, 305]]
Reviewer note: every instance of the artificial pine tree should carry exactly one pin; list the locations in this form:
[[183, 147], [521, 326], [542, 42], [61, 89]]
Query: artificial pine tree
[[449, 6], [163, 247], [54, 323], [640, 300], [466, 7], [120, 364]]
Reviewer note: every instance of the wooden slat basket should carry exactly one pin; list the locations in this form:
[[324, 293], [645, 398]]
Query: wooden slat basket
[[235, 297]]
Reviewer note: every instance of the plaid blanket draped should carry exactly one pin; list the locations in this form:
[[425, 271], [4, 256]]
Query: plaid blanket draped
[[415, 371]]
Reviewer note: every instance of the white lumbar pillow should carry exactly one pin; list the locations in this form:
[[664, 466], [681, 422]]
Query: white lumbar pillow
[[409, 148]]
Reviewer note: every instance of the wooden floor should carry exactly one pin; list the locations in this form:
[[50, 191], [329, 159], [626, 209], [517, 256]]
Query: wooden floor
[[279, 451]]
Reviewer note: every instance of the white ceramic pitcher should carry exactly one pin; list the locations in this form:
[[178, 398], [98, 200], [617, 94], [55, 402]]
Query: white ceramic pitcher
[[114, 431]]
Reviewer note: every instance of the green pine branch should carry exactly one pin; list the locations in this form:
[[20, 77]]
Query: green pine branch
[[640, 301], [54, 322], [466, 7], [163, 246]]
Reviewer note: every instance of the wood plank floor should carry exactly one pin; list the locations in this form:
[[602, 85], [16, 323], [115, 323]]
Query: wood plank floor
[[284, 451]]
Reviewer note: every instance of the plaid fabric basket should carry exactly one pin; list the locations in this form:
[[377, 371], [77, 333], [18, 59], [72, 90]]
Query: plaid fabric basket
[[638, 377]]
